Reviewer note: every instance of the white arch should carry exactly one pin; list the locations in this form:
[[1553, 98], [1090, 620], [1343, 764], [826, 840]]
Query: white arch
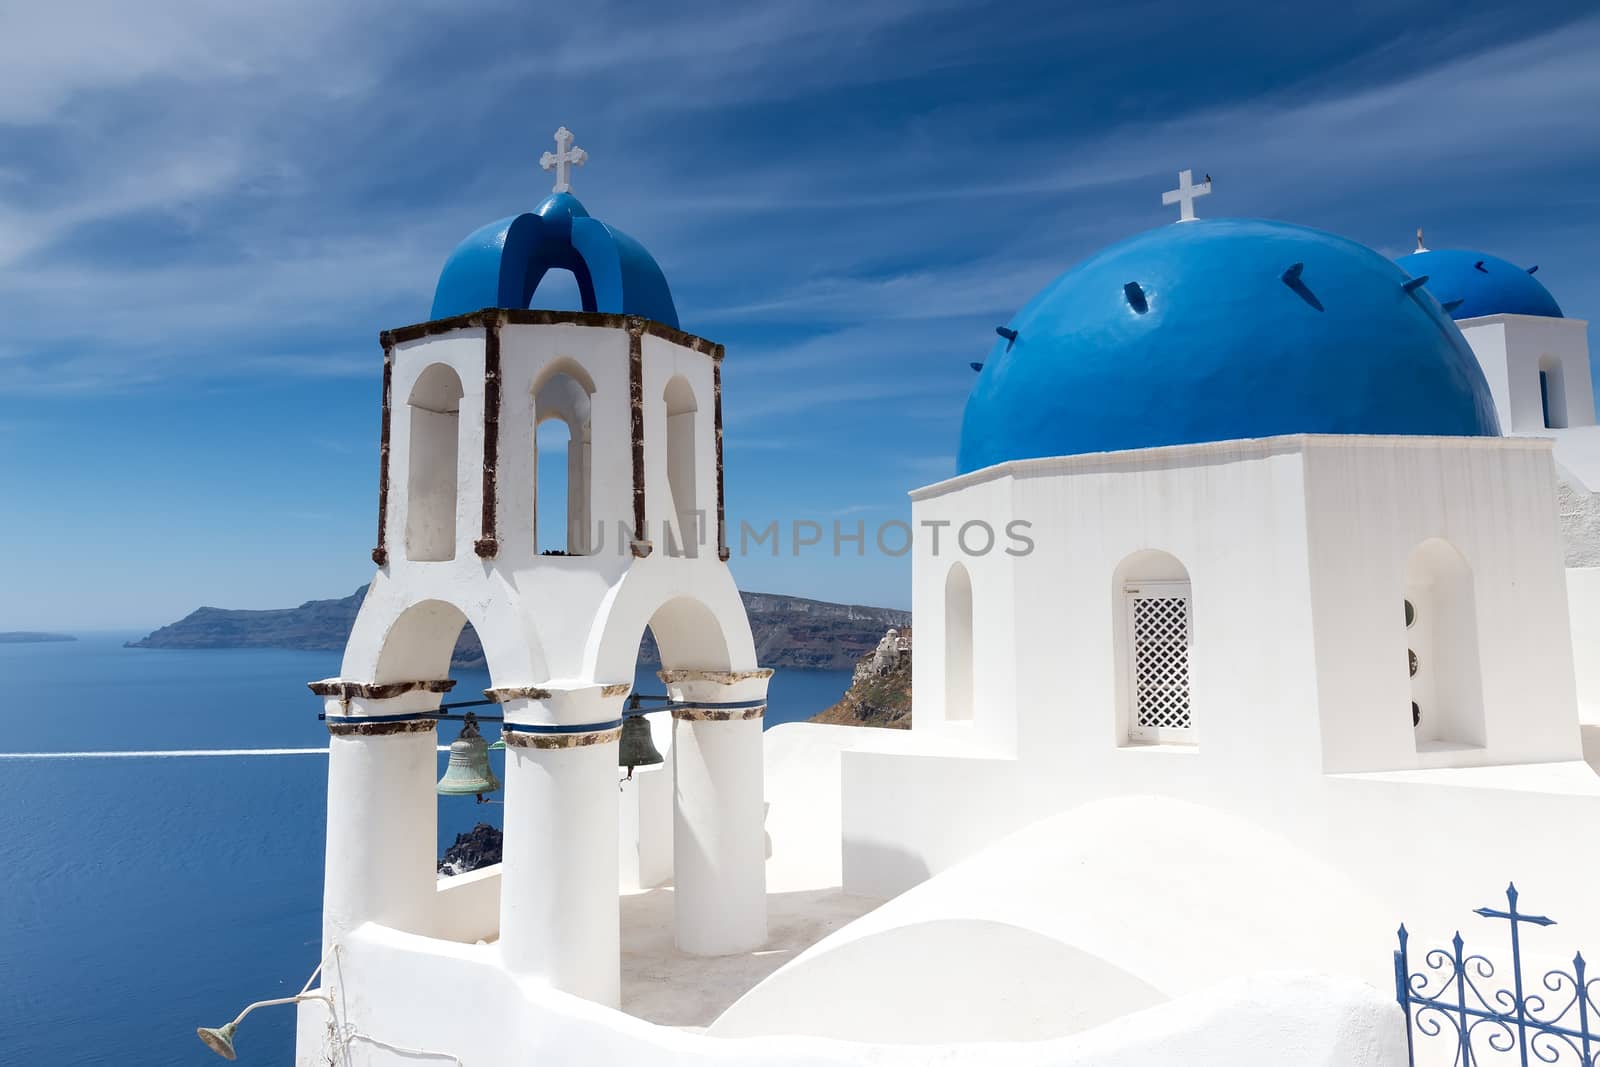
[[564, 390], [958, 657], [402, 636], [434, 414], [698, 619], [1442, 646], [1152, 620], [681, 464], [1553, 393]]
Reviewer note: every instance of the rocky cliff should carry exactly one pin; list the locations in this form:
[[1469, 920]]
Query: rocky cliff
[[880, 689], [790, 632], [478, 847]]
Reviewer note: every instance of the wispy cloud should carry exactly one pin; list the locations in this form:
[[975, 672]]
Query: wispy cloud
[[199, 199]]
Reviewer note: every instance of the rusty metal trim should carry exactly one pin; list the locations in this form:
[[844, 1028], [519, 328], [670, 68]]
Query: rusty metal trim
[[380, 729], [669, 676], [504, 693], [338, 687], [636, 328], [541, 317], [488, 545], [554, 741], [380, 554], [719, 714]]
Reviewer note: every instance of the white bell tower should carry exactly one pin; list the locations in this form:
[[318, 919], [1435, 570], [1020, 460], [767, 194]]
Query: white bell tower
[[560, 612]]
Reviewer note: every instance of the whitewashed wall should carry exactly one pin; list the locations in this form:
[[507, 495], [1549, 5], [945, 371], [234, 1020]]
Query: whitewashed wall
[[1296, 549]]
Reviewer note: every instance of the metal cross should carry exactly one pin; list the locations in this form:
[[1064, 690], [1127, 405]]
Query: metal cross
[[1186, 193], [562, 160]]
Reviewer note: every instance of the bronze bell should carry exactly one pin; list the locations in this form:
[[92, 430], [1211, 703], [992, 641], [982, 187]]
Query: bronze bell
[[637, 748], [468, 773]]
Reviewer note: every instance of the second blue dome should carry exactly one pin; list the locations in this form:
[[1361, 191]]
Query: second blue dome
[[1472, 284], [1219, 330]]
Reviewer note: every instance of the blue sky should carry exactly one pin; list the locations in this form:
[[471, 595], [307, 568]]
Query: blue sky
[[207, 212]]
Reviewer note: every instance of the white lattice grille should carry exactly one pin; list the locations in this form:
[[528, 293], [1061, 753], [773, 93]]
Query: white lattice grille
[[1161, 662]]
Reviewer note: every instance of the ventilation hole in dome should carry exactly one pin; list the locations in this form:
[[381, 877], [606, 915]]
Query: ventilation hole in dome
[[1134, 294], [1411, 615], [1291, 278], [1412, 655], [1479, 266], [1416, 714], [1414, 284], [1534, 269], [1451, 305]]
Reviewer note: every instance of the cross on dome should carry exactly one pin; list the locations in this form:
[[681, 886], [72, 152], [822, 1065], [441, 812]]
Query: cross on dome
[[562, 160], [1186, 194]]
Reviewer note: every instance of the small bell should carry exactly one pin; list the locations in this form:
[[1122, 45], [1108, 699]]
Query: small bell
[[637, 748], [468, 773]]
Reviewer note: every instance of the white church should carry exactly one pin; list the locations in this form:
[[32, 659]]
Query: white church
[[1295, 641]]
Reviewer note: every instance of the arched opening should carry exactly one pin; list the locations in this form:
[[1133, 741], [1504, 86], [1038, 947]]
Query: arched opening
[[1442, 648], [461, 816], [679, 397], [1553, 393], [563, 461], [958, 665], [559, 290], [434, 410], [430, 641], [1153, 620], [682, 634]]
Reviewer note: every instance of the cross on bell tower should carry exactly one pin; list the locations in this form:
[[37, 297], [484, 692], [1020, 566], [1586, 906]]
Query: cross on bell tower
[[1186, 194], [562, 160]]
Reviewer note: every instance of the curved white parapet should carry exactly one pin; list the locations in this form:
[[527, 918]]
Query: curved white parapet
[[943, 982], [413, 992], [1113, 905]]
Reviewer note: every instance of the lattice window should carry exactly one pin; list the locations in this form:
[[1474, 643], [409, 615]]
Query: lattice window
[[1159, 625]]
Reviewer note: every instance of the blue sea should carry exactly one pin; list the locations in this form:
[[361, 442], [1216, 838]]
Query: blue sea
[[142, 897]]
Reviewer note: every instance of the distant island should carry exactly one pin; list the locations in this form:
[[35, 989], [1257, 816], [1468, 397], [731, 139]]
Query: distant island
[[790, 632], [30, 637]]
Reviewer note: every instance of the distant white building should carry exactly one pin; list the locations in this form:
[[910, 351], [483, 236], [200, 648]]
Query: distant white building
[[1243, 633]]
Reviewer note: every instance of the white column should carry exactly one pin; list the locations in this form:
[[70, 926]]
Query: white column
[[718, 833], [559, 918], [382, 809]]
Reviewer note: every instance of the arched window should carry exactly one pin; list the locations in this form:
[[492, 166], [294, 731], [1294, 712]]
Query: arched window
[[1442, 647], [958, 663], [1153, 616], [562, 462], [1553, 393], [679, 396], [435, 414]]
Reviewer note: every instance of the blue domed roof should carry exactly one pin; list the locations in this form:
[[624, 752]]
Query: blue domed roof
[[501, 264], [1483, 284], [1218, 330]]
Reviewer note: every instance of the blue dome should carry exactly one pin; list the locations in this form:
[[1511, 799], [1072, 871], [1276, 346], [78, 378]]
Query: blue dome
[[501, 264], [1219, 330], [1484, 284]]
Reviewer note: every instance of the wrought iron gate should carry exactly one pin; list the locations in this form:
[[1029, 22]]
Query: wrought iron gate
[[1552, 1023]]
